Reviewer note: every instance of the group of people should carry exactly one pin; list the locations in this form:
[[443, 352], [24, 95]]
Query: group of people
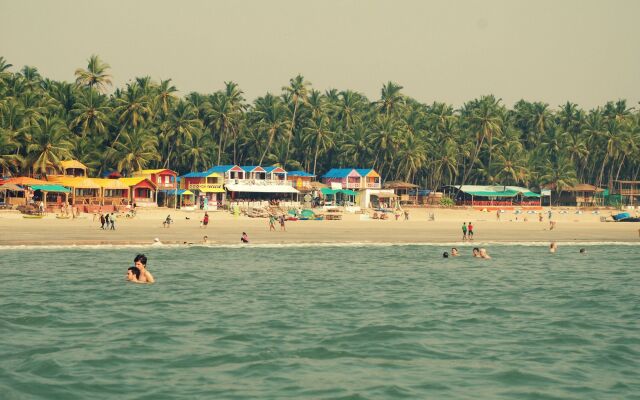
[[467, 231], [139, 273], [108, 221], [477, 252], [272, 222]]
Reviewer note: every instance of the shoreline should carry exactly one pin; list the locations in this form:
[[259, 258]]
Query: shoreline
[[225, 230]]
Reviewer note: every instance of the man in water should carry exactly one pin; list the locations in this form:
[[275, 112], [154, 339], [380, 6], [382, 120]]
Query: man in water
[[476, 252], [483, 253], [553, 247], [141, 263], [133, 274], [454, 252]]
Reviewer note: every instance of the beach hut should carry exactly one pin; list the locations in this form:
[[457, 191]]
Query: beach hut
[[84, 191], [12, 194], [26, 183], [345, 178], [407, 192], [301, 180], [184, 197], [49, 194], [276, 175], [369, 178], [142, 192], [70, 168], [580, 195], [254, 173], [207, 186], [113, 192], [494, 196], [629, 191]]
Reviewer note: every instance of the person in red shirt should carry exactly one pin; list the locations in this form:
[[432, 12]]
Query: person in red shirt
[[470, 231]]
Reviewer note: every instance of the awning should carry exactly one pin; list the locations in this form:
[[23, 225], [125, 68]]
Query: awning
[[261, 188], [51, 188], [181, 192], [327, 191], [212, 190]]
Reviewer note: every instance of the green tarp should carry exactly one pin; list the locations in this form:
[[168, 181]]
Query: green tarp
[[51, 188], [327, 191]]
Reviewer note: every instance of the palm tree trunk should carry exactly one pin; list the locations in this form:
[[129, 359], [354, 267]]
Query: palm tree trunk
[[293, 122]]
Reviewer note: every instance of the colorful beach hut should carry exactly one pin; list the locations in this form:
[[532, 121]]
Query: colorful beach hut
[[276, 175], [301, 180], [84, 191], [113, 192], [142, 192], [346, 178], [71, 168], [369, 178]]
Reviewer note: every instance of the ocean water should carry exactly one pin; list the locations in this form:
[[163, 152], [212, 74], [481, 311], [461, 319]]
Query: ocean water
[[320, 322]]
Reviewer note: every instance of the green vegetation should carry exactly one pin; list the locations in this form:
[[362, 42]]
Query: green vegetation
[[146, 125]]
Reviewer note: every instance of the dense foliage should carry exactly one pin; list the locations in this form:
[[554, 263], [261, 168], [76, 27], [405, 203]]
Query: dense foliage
[[146, 125]]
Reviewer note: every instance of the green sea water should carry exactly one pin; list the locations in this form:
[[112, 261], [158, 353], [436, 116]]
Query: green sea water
[[351, 322]]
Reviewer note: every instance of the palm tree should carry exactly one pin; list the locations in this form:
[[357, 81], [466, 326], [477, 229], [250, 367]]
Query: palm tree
[[135, 150], [297, 89], [196, 154], [91, 114], [391, 100], [96, 75], [271, 120], [319, 137], [559, 175], [48, 145]]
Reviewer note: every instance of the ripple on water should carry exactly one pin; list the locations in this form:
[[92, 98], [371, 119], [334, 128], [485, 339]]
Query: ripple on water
[[348, 322]]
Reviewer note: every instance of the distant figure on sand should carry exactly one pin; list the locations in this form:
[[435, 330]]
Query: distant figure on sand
[[553, 247], [498, 215], [244, 238], [167, 222], [483, 253], [272, 223], [464, 231], [470, 230], [406, 215], [141, 262], [205, 220], [102, 221], [113, 221], [540, 217], [552, 224], [205, 239], [282, 227]]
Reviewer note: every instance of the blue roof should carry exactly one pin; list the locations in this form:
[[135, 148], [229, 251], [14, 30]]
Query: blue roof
[[300, 173], [219, 168], [338, 173], [364, 171], [269, 169], [196, 175], [249, 168]]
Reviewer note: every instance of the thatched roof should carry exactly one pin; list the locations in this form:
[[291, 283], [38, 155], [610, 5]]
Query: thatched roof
[[398, 185], [580, 187]]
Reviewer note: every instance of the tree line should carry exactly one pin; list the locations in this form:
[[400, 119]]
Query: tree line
[[147, 125]]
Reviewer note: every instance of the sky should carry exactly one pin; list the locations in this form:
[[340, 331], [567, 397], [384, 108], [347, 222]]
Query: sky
[[452, 51]]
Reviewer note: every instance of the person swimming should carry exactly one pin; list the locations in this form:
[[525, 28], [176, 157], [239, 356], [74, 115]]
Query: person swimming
[[141, 263], [445, 255], [583, 251], [454, 252], [553, 247], [133, 274], [476, 252], [483, 253]]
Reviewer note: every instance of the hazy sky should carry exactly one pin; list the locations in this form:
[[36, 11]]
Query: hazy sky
[[586, 51]]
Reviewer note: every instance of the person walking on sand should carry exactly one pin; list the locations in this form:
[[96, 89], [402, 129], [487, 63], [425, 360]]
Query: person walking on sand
[[470, 230], [282, 226], [106, 221], [464, 231], [498, 215], [102, 221], [272, 223], [113, 221], [406, 215]]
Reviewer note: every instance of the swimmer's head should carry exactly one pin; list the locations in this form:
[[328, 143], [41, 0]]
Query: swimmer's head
[[476, 251], [583, 250], [140, 258], [454, 251], [133, 272], [445, 255]]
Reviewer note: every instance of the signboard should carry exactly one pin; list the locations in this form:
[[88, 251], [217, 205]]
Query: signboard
[[336, 185], [545, 192]]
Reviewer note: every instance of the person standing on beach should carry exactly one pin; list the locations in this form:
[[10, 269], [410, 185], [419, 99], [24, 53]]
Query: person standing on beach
[[406, 215], [498, 215], [113, 222], [106, 221], [141, 263], [205, 220], [102, 221], [282, 227], [464, 231], [272, 223], [470, 229]]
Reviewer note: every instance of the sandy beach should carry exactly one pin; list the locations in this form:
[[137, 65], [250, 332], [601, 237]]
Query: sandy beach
[[225, 228]]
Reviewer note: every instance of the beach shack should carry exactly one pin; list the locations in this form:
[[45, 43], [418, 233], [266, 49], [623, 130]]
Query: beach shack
[[52, 196], [142, 192], [164, 179], [301, 180], [276, 175], [580, 195], [84, 191], [16, 197], [254, 174], [407, 192], [493, 196], [629, 191], [346, 178], [70, 168], [207, 186], [113, 193], [10, 195], [369, 178]]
